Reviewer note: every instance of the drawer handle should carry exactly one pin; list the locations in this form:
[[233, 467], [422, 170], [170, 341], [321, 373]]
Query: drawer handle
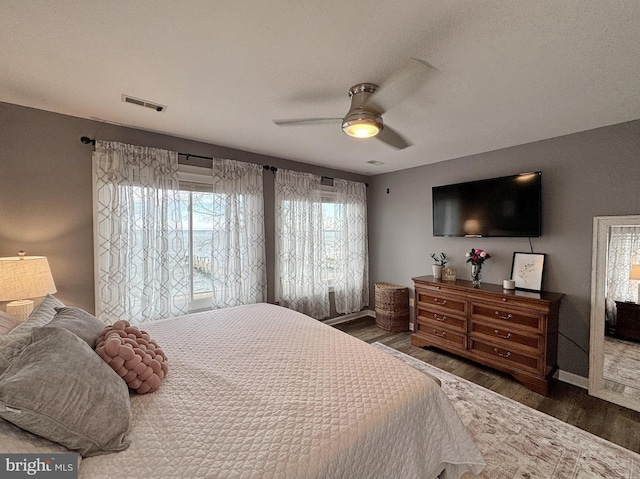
[[506, 318], [442, 334], [502, 355], [507, 336], [440, 301], [439, 318]]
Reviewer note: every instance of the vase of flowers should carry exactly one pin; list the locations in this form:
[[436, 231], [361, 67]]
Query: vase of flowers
[[439, 262], [476, 257]]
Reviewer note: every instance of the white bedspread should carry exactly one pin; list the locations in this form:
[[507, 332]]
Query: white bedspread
[[260, 391]]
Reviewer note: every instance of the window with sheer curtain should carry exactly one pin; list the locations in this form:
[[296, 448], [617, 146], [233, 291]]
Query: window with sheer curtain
[[172, 239], [623, 251], [351, 275], [141, 272], [238, 252], [321, 242], [223, 208]]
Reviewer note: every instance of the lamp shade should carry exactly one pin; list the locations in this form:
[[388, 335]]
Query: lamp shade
[[23, 277], [634, 274]]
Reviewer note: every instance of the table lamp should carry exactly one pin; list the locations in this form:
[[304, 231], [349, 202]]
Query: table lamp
[[634, 274], [23, 277]]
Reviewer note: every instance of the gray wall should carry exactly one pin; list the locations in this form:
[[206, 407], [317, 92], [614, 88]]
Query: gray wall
[[46, 197], [586, 174], [46, 209]]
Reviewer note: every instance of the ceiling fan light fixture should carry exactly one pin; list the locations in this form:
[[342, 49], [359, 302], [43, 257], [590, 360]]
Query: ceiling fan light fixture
[[363, 120], [362, 125]]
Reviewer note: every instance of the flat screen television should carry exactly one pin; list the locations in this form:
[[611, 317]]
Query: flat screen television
[[509, 206]]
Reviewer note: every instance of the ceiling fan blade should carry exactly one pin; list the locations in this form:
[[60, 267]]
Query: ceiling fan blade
[[308, 121], [405, 83], [393, 138]]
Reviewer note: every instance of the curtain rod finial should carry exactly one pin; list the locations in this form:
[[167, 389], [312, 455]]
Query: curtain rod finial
[[86, 140]]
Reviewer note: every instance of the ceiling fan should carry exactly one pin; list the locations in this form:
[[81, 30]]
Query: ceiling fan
[[368, 104]]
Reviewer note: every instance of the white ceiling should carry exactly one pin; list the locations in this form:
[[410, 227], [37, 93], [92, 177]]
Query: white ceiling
[[505, 72]]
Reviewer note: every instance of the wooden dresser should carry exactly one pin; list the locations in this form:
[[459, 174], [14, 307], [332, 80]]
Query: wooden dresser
[[512, 331]]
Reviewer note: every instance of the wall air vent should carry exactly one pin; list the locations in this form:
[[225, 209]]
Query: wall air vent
[[139, 102]]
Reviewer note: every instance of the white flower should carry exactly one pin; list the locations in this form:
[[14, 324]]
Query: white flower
[[483, 254], [467, 255]]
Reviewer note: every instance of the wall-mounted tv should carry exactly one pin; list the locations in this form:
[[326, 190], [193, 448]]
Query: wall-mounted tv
[[505, 206]]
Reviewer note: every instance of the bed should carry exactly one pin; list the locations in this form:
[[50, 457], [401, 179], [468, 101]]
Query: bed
[[263, 391]]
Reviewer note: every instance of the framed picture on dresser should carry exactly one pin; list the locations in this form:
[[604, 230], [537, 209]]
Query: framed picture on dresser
[[526, 271]]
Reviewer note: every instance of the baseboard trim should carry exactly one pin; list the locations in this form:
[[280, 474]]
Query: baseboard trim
[[350, 317], [573, 379]]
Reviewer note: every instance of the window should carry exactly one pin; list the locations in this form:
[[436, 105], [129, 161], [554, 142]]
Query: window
[[223, 213], [623, 252], [196, 208], [321, 242], [196, 211], [139, 256], [330, 232], [148, 264]]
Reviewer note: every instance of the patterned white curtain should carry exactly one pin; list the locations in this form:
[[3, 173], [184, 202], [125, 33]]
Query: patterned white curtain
[[351, 273], [624, 250], [238, 252], [141, 260], [299, 242]]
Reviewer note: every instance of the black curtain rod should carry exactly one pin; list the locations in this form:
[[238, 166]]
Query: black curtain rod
[[86, 140]]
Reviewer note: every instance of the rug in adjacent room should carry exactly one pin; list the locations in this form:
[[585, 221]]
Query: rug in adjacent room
[[621, 366], [518, 442]]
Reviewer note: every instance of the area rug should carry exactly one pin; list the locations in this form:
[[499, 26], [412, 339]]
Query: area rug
[[621, 366], [518, 442]]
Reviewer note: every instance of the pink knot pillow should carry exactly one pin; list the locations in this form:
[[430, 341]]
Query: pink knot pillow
[[133, 355]]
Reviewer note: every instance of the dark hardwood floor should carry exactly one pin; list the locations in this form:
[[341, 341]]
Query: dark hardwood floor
[[568, 403]]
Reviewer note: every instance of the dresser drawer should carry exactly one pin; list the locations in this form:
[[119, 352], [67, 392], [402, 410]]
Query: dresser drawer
[[509, 301], [441, 336], [439, 319], [442, 301], [506, 336], [519, 319], [506, 356]]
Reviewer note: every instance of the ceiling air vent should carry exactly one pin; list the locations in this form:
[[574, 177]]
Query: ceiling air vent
[[139, 102], [375, 163]]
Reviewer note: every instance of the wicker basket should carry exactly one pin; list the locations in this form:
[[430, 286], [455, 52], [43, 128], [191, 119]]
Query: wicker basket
[[392, 307]]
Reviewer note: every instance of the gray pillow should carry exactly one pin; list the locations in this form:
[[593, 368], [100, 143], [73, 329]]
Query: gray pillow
[[84, 325], [7, 322], [60, 389], [16, 340], [14, 440]]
